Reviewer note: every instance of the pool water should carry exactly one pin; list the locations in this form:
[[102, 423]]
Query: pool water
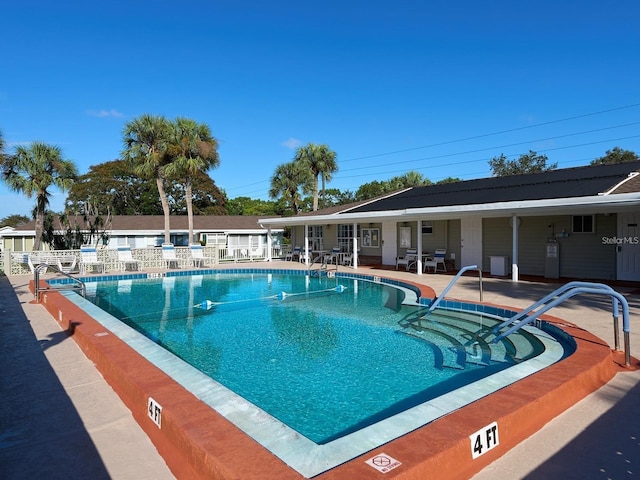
[[326, 357]]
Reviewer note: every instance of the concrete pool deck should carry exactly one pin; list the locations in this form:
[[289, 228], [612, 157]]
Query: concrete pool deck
[[60, 419]]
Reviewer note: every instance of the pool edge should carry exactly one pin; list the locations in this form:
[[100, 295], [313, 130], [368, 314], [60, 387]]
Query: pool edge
[[222, 451]]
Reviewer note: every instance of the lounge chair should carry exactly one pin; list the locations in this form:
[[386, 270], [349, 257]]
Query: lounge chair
[[34, 260], [67, 264], [89, 260], [197, 256], [437, 260], [126, 260], [409, 259], [169, 255]]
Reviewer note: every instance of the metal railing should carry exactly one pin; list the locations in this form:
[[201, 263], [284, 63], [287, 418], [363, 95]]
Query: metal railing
[[437, 301], [76, 284], [555, 298]]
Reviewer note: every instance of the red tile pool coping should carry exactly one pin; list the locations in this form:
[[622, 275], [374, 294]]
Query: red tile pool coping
[[197, 442]]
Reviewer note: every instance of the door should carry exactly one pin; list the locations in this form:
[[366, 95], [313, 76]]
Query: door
[[471, 241], [628, 246], [389, 243]]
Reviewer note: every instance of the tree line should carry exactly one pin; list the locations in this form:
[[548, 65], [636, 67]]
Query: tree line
[[163, 170]]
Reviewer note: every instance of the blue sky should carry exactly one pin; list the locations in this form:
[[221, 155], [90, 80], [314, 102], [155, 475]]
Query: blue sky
[[437, 87]]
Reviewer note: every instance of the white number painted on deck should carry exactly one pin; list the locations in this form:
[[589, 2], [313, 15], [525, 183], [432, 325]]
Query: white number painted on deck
[[484, 440], [154, 409]]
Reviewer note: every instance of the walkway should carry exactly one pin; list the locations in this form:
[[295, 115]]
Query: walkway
[[59, 418]]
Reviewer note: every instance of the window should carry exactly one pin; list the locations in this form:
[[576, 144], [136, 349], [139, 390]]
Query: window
[[316, 241], [405, 237], [427, 228], [345, 237], [583, 224], [371, 237]]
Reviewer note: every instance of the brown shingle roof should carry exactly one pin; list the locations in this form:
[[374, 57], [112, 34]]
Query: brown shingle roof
[[178, 222]]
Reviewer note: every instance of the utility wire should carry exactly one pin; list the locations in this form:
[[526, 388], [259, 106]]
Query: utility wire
[[475, 137]]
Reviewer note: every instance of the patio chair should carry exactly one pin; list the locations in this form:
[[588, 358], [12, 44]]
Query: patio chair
[[435, 261], [256, 253], [169, 255], [67, 264], [197, 256], [409, 259], [334, 256], [89, 260], [34, 260], [293, 254], [347, 259], [126, 260]]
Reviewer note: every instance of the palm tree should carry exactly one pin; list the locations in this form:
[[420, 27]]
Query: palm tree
[[192, 149], [146, 139], [287, 181], [321, 161], [33, 170]]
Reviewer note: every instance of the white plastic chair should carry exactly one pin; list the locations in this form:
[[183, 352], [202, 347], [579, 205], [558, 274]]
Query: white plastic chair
[[437, 260], [334, 256], [89, 259], [127, 262], [293, 254], [197, 255], [67, 264], [169, 255], [409, 259]]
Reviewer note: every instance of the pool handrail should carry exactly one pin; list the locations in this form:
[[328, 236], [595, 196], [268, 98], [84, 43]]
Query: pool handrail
[[44, 266], [568, 293], [438, 299], [554, 294]]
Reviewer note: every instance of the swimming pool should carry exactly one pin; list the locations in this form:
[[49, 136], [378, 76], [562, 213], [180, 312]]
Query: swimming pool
[[314, 451]]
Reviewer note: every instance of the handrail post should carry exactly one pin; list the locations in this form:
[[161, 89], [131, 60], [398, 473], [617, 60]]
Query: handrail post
[[480, 283]]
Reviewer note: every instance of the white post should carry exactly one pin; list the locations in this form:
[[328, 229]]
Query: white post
[[269, 243], [355, 245], [419, 259], [514, 247], [306, 244]]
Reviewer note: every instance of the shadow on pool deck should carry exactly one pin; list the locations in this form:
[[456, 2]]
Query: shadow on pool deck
[[61, 420]]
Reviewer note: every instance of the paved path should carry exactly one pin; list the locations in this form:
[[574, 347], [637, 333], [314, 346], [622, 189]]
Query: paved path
[[60, 420]]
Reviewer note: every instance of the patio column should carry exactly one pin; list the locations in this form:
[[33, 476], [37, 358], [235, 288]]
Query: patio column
[[306, 244], [515, 223], [419, 259], [269, 243], [355, 245]]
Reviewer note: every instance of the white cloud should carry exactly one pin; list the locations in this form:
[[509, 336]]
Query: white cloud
[[104, 113], [291, 143]]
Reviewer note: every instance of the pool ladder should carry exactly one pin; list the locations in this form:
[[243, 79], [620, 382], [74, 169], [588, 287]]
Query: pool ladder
[[323, 265], [76, 283], [555, 298]]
